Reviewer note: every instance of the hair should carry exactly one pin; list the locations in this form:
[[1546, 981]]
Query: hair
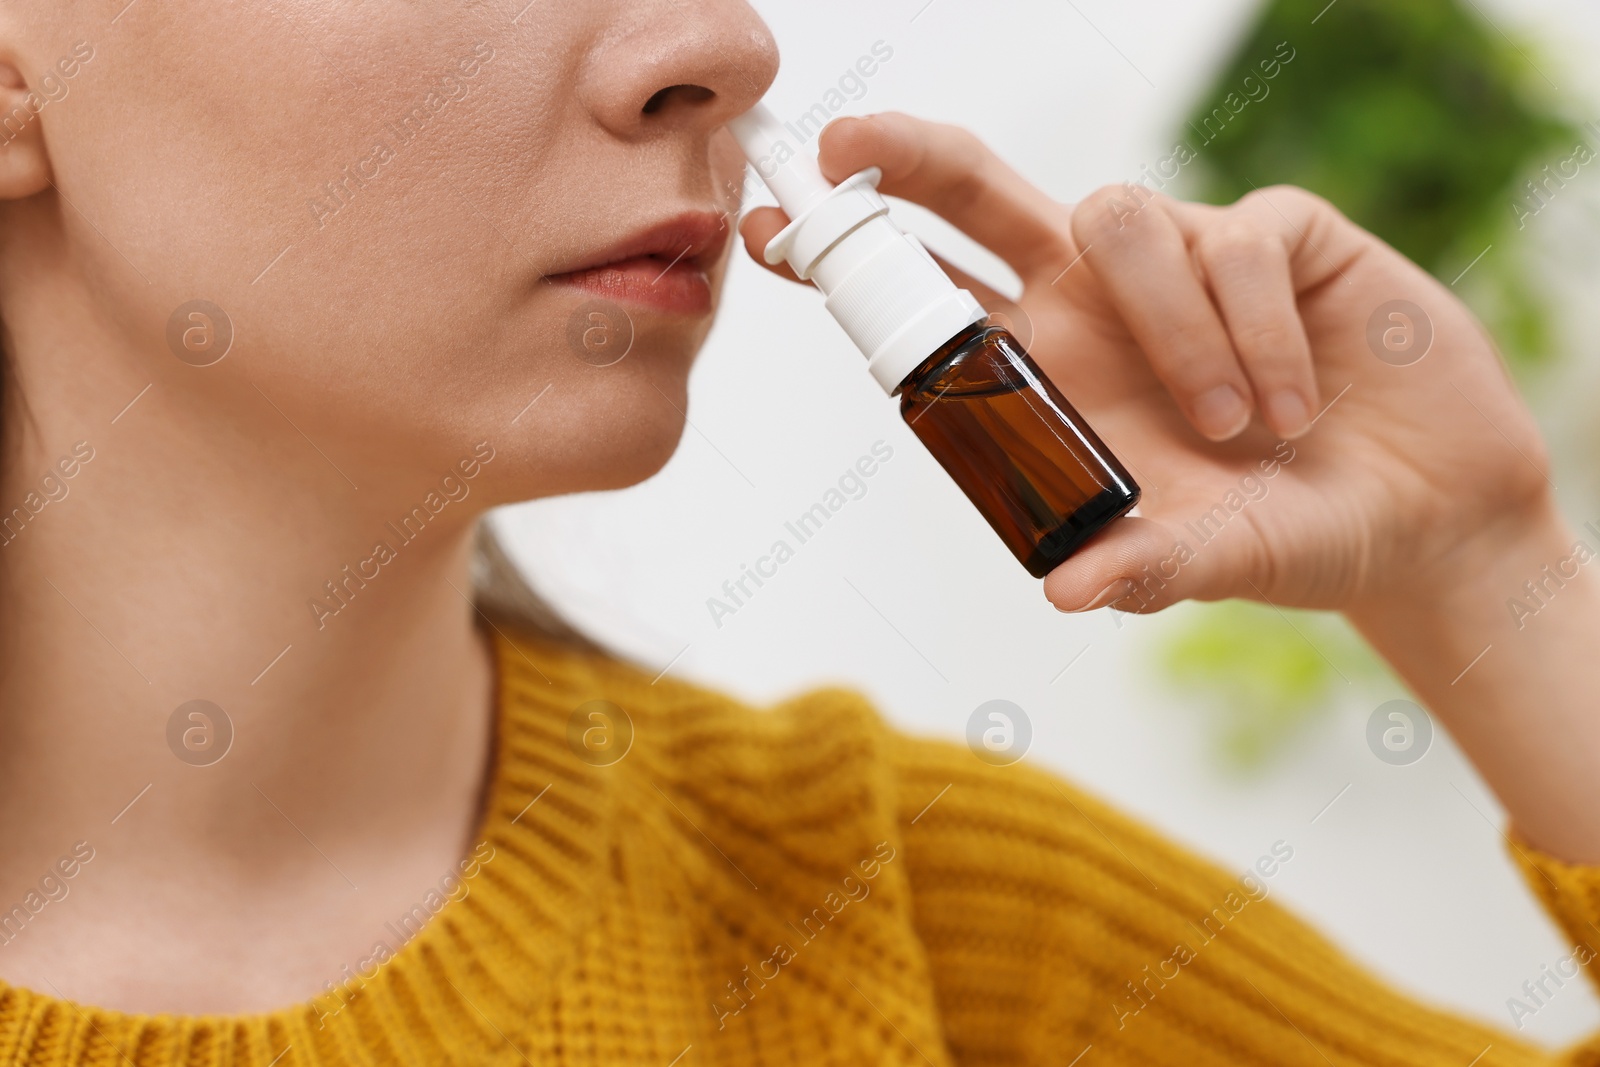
[[502, 593]]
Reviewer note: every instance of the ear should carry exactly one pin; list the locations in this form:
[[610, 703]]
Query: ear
[[24, 163]]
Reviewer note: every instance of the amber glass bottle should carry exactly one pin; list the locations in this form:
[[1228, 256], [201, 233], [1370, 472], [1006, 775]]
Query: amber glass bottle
[[1006, 435], [1023, 456]]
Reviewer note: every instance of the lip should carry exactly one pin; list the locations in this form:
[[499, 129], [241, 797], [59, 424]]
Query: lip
[[663, 266]]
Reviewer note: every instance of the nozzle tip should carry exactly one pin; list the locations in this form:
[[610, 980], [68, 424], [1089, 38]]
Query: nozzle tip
[[784, 162]]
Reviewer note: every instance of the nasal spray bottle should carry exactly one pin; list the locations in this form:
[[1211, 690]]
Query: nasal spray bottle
[[968, 390]]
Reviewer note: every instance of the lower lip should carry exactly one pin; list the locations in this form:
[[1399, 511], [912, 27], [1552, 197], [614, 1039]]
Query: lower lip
[[674, 287]]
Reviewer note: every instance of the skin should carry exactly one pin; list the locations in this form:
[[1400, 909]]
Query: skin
[[413, 323], [409, 327], [1417, 505]]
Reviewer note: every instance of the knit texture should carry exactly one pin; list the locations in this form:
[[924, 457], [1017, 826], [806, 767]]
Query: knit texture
[[802, 885]]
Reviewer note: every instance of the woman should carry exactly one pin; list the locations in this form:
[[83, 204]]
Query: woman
[[286, 290]]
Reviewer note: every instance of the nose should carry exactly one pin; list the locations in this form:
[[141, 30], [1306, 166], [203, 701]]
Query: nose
[[710, 61]]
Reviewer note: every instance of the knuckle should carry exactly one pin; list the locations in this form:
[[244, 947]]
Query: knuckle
[[1270, 348], [1297, 195], [1110, 211], [1291, 201], [968, 147], [1236, 243], [1266, 198], [1190, 370], [966, 156]]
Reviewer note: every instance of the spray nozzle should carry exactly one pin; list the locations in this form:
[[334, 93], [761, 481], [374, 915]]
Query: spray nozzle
[[788, 168], [890, 296]]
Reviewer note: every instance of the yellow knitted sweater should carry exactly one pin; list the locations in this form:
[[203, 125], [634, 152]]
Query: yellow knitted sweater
[[802, 885]]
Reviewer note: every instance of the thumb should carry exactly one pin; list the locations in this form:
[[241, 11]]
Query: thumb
[[1140, 565]]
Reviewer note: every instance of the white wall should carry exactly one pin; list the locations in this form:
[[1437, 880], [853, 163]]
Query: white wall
[[908, 596]]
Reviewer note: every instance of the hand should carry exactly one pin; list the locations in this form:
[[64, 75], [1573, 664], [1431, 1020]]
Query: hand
[[1227, 356], [1410, 492]]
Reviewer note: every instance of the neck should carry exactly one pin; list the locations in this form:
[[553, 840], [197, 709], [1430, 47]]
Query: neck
[[180, 560]]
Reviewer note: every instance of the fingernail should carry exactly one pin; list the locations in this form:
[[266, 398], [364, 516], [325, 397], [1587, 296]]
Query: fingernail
[[1288, 413], [1109, 595], [1221, 412]]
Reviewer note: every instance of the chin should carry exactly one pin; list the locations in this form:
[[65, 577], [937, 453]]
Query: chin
[[641, 456], [620, 432]]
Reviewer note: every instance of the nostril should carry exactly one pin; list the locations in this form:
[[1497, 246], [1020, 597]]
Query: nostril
[[689, 94]]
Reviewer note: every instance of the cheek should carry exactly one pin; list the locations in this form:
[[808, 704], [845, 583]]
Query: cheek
[[365, 227], [378, 252]]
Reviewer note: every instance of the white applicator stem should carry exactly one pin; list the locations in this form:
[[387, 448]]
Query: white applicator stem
[[882, 287]]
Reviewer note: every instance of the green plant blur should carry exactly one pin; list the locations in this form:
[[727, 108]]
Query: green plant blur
[[1421, 122], [1260, 676]]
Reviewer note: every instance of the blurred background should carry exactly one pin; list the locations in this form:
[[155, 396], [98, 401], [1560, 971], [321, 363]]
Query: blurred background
[[1228, 726]]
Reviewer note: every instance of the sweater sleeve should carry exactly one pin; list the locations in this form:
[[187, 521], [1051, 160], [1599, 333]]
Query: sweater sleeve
[[1056, 928]]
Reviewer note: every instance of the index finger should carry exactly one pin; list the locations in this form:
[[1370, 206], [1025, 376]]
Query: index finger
[[952, 173]]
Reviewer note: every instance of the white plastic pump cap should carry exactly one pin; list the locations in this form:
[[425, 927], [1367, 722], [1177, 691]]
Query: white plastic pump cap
[[882, 286]]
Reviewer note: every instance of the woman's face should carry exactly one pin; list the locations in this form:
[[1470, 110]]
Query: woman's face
[[391, 202]]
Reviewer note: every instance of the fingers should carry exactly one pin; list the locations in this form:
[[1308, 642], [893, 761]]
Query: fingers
[[758, 228], [762, 224], [1249, 274], [1244, 253], [1209, 294], [949, 171], [991, 299], [1141, 565], [1138, 253]]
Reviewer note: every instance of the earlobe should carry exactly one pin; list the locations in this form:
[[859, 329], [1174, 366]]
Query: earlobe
[[24, 162]]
